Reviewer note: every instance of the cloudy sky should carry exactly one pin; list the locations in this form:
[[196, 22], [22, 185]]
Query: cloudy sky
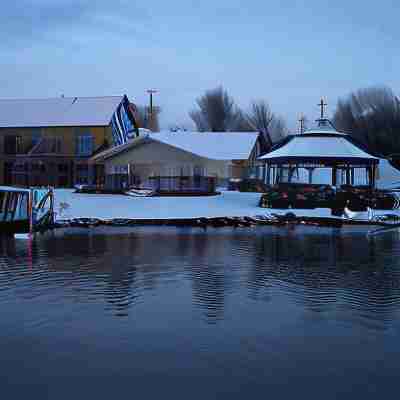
[[288, 52]]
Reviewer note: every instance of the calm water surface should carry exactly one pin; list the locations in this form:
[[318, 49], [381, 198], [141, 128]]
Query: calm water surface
[[183, 313]]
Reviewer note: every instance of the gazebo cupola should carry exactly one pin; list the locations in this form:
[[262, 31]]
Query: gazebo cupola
[[321, 155]]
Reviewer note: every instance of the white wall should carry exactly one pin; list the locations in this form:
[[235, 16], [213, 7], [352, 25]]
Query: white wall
[[155, 159]]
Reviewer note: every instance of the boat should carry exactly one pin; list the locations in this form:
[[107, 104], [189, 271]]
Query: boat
[[25, 210]]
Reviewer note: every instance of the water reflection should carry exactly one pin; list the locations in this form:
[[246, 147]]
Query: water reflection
[[341, 274], [326, 274]]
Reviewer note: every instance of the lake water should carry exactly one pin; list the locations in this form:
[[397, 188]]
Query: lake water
[[186, 313]]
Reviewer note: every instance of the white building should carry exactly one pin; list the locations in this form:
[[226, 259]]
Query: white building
[[220, 155]]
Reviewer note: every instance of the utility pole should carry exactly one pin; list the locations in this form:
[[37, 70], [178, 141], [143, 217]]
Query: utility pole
[[151, 92]]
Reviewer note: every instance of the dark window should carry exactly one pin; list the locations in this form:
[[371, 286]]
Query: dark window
[[12, 144], [55, 145], [63, 168], [20, 167], [38, 167], [82, 173], [84, 145]]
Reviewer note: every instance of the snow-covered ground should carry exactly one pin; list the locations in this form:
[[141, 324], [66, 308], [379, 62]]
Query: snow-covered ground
[[228, 204], [388, 176]]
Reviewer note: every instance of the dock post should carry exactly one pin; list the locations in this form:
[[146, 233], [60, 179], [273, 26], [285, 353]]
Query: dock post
[[30, 211]]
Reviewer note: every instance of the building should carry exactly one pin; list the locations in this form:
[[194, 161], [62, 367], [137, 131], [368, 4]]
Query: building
[[174, 158], [49, 141]]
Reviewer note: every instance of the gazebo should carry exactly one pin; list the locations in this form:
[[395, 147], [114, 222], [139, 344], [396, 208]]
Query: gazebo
[[322, 168], [320, 156]]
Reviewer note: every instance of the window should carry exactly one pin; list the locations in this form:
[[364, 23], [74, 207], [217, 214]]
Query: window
[[12, 144], [84, 145], [82, 173], [55, 145], [63, 168], [38, 167]]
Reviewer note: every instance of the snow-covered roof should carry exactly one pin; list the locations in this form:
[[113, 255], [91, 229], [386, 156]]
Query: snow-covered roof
[[319, 147], [60, 111], [211, 145], [323, 127], [320, 131], [115, 150]]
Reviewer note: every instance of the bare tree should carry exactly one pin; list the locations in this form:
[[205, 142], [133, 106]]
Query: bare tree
[[243, 124], [262, 119], [146, 120], [260, 115], [372, 116], [216, 111], [278, 129]]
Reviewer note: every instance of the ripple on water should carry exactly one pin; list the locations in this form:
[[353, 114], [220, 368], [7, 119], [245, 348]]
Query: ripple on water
[[335, 276]]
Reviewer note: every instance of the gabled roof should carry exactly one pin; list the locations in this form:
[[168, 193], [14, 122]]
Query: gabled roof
[[60, 111], [211, 145]]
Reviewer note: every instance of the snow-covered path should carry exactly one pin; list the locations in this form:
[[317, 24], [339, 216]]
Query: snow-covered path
[[228, 204]]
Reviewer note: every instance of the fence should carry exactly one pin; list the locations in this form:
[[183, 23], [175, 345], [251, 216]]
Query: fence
[[201, 184]]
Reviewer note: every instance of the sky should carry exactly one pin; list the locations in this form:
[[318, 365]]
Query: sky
[[289, 53]]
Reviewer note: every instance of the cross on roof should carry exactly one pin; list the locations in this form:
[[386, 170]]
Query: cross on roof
[[322, 104]]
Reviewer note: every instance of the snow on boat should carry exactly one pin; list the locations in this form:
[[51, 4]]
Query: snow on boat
[[140, 192]]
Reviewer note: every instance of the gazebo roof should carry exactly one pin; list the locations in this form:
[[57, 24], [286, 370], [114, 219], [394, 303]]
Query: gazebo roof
[[321, 145]]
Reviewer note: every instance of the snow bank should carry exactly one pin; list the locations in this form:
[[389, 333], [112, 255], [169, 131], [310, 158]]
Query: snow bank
[[388, 177], [228, 204]]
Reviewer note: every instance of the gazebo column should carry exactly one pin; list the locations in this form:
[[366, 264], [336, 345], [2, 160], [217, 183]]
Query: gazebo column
[[372, 175], [348, 180], [368, 175], [275, 175], [310, 174], [334, 176], [280, 173], [291, 170], [267, 174]]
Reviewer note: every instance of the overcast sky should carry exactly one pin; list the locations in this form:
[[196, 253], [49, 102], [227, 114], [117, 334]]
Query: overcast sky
[[288, 52]]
